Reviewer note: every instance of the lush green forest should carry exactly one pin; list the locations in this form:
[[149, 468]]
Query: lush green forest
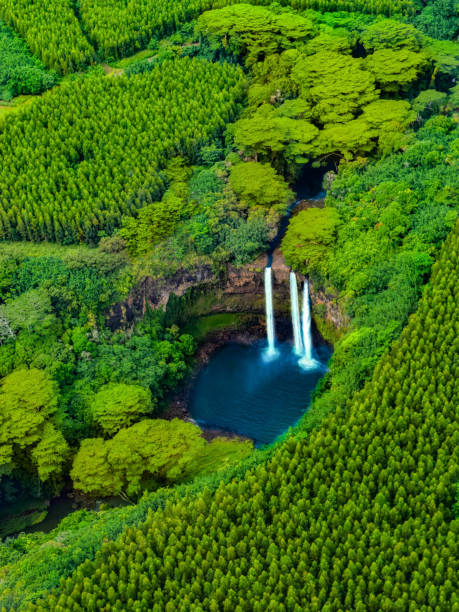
[[114, 29], [357, 514], [20, 73], [180, 162], [51, 30], [88, 184]]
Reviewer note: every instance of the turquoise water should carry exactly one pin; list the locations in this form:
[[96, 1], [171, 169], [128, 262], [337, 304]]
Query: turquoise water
[[239, 391]]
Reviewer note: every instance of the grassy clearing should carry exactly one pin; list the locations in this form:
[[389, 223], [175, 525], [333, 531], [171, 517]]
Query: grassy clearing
[[15, 104], [43, 249], [132, 59], [220, 454], [200, 328]]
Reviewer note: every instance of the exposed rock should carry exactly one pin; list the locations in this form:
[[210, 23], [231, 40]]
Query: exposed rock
[[304, 204], [327, 313], [155, 293], [240, 290]]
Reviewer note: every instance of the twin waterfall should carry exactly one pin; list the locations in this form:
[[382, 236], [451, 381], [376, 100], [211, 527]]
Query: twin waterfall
[[270, 331], [302, 336]]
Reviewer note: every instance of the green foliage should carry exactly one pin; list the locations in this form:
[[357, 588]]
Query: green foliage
[[219, 455], [20, 72], [321, 99], [396, 70], [29, 441], [378, 7], [255, 31], [159, 219], [258, 184], [439, 19], [247, 240], [369, 491], [309, 235], [272, 131], [81, 534], [429, 102], [335, 85], [89, 182], [393, 215], [118, 29], [51, 30], [119, 405], [121, 464], [391, 34]]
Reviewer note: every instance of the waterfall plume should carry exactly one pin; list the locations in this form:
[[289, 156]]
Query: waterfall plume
[[307, 361], [295, 308], [270, 331]]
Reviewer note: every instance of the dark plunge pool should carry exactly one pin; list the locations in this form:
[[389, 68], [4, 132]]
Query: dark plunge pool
[[238, 390]]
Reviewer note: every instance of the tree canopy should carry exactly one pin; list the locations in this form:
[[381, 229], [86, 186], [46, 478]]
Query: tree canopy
[[28, 438], [117, 405], [151, 449], [309, 234], [259, 184]]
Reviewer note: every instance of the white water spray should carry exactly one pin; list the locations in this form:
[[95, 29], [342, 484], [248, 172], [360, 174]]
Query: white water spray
[[308, 360], [270, 331], [295, 308]]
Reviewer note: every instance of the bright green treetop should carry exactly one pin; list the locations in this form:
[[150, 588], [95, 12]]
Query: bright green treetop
[[255, 30], [335, 85], [28, 437], [273, 130], [391, 34], [337, 41], [118, 405], [259, 184], [396, 70], [158, 449], [308, 238]]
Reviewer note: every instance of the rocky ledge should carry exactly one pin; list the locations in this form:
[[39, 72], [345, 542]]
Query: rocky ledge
[[238, 290]]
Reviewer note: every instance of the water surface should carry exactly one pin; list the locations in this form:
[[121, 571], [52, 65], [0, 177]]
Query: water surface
[[240, 391]]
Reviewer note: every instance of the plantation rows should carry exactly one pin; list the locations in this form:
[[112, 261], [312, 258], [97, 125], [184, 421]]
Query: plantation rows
[[52, 31], [118, 28], [91, 151], [356, 516], [376, 7]]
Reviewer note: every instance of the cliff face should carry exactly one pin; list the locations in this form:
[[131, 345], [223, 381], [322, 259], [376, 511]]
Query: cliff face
[[328, 316], [239, 290]]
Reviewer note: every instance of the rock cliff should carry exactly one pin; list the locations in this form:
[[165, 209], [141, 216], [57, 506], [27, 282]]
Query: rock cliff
[[237, 290]]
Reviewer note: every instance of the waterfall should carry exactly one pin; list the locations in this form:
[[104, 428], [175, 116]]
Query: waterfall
[[308, 360], [269, 312], [295, 307], [306, 323]]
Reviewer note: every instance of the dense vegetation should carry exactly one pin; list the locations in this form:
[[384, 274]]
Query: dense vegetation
[[59, 360], [66, 174], [118, 29], [209, 214], [374, 243], [354, 514], [20, 72], [309, 97], [357, 515], [51, 30]]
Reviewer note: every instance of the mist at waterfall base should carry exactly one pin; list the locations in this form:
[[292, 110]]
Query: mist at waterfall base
[[241, 392]]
